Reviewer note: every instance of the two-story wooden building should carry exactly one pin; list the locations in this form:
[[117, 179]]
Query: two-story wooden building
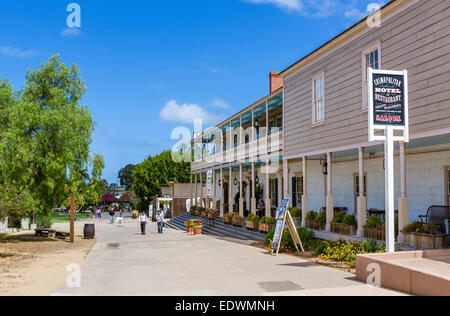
[[309, 138]]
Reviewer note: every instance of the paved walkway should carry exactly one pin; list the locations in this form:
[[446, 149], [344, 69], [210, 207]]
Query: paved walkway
[[126, 263]]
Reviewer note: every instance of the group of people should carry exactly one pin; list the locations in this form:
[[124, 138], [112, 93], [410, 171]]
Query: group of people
[[143, 220]]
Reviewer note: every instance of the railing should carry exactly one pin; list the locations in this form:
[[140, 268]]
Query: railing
[[209, 219]]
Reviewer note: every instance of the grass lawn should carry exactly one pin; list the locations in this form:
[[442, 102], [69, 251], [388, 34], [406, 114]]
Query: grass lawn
[[56, 218]]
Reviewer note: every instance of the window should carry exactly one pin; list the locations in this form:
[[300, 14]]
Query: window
[[319, 98], [297, 191], [356, 188], [274, 192], [371, 57], [447, 185]]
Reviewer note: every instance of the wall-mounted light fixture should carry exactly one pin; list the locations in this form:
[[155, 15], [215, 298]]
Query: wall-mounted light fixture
[[325, 168], [257, 180], [235, 181], [220, 183]]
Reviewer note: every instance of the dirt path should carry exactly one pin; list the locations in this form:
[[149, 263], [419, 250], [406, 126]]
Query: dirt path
[[34, 266]]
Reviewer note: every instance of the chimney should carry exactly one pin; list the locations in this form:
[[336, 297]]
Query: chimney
[[276, 82]]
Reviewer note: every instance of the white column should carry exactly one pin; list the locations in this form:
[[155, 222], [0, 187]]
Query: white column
[[305, 199], [286, 179], [241, 197], [201, 189], [362, 199], [196, 191], [389, 187], [330, 198], [403, 201], [222, 194], [253, 199], [268, 201], [230, 191], [214, 193], [191, 193]]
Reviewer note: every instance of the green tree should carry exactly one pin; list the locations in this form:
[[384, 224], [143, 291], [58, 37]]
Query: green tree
[[126, 176], [45, 135], [156, 172]]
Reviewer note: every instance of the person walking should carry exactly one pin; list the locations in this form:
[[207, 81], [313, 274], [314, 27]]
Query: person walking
[[143, 219], [99, 212], [160, 220], [112, 214]]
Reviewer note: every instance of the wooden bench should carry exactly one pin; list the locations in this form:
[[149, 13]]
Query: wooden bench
[[45, 232], [437, 215], [62, 235]]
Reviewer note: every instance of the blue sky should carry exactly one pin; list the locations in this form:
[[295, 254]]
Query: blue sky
[[153, 65]]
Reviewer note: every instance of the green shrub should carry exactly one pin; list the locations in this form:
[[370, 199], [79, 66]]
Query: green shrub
[[373, 222], [371, 246], [420, 228], [311, 215], [308, 238], [349, 220], [263, 220], [339, 218], [255, 218], [296, 212], [43, 222], [271, 221], [322, 217]]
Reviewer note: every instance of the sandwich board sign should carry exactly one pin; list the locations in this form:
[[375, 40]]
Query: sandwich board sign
[[388, 112], [284, 217]]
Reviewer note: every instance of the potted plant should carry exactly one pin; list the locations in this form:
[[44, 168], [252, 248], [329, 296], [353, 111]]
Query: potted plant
[[267, 224], [344, 225], [296, 214], [316, 221], [227, 219], [374, 229], [238, 220], [253, 222], [197, 228], [419, 235], [203, 213]]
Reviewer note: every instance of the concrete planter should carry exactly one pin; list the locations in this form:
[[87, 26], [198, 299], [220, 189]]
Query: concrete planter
[[425, 241], [252, 225], [342, 229], [315, 225]]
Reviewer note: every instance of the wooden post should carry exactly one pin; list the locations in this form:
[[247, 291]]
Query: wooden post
[[72, 219]]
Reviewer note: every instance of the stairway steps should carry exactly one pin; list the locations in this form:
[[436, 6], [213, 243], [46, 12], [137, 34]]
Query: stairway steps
[[219, 228]]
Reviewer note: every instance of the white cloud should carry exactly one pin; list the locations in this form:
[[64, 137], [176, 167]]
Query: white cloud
[[290, 5], [187, 113], [71, 32], [221, 104], [351, 9], [211, 69], [16, 52]]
